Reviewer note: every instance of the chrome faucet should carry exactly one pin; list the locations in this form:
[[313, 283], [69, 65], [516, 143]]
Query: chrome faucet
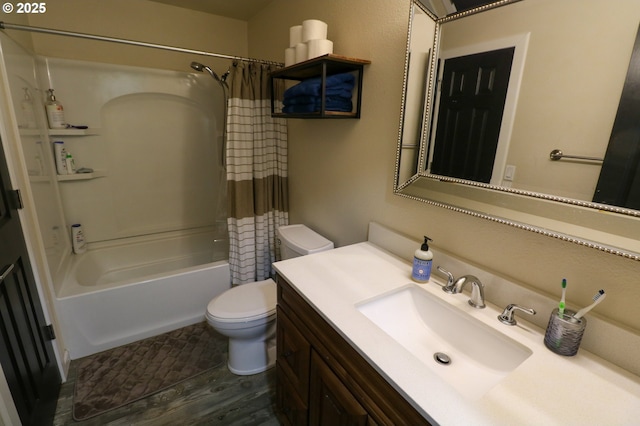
[[507, 316], [456, 286]]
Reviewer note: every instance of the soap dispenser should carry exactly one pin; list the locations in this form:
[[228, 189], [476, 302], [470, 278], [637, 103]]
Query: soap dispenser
[[27, 110], [55, 112], [422, 260]]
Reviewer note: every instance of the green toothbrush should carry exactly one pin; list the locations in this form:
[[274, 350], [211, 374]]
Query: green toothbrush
[[561, 305]]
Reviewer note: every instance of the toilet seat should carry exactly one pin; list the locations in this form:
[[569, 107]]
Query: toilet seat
[[244, 303]]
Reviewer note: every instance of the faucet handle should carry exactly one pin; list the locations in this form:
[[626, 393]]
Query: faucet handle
[[449, 288], [508, 317]]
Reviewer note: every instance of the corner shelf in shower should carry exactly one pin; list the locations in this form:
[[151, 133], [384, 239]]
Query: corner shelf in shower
[[82, 176], [25, 131], [73, 132]]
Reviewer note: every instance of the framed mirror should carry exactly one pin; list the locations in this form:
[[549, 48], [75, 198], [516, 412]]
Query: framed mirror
[[568, 69]]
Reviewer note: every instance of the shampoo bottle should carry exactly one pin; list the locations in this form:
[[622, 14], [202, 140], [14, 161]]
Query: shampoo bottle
[[77, 239], [422, 262], [55, 112], [60, 154]]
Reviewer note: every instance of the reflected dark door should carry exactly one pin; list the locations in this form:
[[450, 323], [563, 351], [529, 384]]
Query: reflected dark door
[[473, 93], [26, 351], [619, 181]]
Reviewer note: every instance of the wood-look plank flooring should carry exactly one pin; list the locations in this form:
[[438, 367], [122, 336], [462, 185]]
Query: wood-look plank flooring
[[216, 397]]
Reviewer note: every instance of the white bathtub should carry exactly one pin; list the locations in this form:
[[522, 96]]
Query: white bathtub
[[117, 293]]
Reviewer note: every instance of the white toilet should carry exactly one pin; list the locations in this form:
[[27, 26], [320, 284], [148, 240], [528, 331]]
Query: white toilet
[[247, 313]]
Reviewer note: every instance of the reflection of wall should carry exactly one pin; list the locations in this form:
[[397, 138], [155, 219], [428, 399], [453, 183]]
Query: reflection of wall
[[341, 171], [575, 67], [421, 42]]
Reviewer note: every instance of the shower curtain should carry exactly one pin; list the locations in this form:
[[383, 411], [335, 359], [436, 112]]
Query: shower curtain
[[256, 158]]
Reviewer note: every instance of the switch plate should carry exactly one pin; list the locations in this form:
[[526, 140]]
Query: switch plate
[[509, 172]]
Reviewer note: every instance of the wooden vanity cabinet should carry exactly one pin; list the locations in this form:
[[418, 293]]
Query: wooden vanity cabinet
[[322, 379]]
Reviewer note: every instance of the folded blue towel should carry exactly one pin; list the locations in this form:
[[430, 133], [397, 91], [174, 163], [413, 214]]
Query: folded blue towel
[[330, 105], [297, 100], [334, 85]]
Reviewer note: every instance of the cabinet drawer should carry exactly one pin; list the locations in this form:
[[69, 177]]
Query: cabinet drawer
[[294, 355]]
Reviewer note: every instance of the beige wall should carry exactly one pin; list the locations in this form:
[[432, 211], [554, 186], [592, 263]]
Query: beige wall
[[139, 20], [341, 171]]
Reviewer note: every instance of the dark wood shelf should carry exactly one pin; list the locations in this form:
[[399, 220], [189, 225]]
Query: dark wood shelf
[[318, 114], [322, 66]]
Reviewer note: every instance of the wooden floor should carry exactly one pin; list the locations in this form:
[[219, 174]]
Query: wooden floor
[[216, 397]]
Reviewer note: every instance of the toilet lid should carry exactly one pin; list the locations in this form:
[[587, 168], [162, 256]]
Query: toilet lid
[[245, 302]]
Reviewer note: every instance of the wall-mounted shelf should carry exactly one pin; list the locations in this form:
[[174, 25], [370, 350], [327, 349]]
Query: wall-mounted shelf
[[322, 67], [82, 176], [73, 132], [27, 131]]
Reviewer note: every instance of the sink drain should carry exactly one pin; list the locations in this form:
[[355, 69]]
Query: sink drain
[[442, 358]]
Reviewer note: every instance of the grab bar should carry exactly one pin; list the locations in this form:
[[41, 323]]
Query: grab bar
[[557, 154]]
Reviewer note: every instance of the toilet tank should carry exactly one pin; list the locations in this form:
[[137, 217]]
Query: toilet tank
[[298, 240]]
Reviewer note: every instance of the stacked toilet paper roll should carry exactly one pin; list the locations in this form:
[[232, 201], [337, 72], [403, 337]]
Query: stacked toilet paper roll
[[307, 41], [313, 29]]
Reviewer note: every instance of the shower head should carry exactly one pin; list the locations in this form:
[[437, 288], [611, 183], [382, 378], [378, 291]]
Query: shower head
[[200, 67], [221, 81]]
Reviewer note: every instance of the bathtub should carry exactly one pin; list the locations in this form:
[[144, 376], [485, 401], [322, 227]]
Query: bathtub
[[117, 293]]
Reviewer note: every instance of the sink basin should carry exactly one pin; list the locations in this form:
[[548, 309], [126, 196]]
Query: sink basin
[[479, 356]]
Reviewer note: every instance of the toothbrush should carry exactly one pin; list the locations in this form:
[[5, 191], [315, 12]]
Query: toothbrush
[[599, 297], [561, 305]]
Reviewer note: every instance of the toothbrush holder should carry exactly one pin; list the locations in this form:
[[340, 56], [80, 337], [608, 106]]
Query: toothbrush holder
[[564, 333]]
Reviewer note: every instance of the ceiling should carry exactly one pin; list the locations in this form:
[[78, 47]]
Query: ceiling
[[237, 9]]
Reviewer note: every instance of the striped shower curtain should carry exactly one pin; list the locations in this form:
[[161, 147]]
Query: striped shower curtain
[[256, 158]]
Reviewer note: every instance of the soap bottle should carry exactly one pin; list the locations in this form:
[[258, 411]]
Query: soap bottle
[[27, 110], [55, 112], [422, 260]]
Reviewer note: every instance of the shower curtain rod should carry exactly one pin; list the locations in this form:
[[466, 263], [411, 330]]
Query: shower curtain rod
[[8, 26]]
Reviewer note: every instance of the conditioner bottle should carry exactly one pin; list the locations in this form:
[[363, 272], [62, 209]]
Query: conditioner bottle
[[422, 260], [78, 242]]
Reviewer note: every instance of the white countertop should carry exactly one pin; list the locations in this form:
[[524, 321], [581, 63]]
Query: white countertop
[[545, 389]]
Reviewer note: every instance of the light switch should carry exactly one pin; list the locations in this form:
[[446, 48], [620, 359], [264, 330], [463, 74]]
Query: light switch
[[509, 172]]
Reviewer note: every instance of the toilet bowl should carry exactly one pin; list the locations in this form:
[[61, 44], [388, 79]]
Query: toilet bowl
[[246, 313]]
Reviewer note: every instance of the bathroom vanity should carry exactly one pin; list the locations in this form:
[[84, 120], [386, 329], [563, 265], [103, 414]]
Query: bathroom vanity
[[322, 379], [338, 363]]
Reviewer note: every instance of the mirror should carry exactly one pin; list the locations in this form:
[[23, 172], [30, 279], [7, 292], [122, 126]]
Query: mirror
[[567, 76]]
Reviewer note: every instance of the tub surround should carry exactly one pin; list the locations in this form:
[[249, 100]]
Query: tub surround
[[545, 389]]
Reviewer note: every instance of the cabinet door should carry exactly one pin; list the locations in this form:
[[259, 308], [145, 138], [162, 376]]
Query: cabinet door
[[294, 352], [293, 412], [330, 402]]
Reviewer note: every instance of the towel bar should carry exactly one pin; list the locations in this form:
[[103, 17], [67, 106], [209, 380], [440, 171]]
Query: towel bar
[[557, 154]]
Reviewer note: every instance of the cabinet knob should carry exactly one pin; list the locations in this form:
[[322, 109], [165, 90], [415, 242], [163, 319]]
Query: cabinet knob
[[287, 354]]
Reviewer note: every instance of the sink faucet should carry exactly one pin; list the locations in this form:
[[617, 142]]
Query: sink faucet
[[507, 316], [456, 286]]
